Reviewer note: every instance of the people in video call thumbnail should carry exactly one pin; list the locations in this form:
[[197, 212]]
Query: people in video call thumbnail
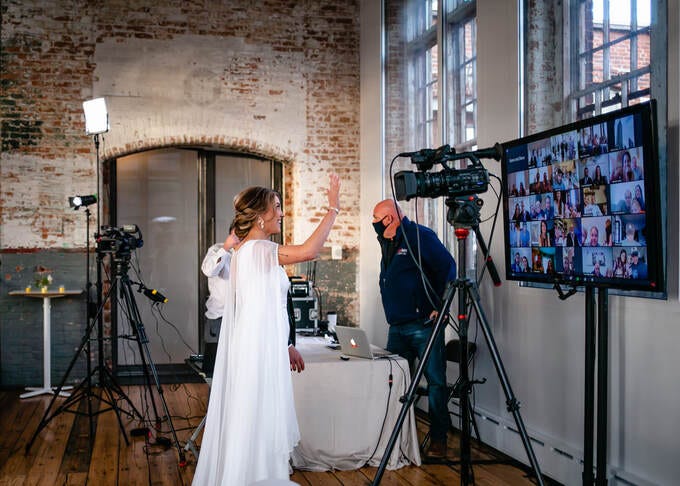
[[595, 201], [597, 261], [593, 140], [626, 165], [543, 260]]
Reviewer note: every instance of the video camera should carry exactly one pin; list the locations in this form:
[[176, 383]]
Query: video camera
[[119, 241], [449, 182]]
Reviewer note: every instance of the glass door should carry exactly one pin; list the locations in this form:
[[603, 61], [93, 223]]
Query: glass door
[[157, 191], [182, 202]]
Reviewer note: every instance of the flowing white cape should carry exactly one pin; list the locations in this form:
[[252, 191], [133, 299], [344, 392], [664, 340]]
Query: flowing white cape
[[251, 426]]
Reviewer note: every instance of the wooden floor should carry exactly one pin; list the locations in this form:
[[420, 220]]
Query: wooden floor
[[60, 453]]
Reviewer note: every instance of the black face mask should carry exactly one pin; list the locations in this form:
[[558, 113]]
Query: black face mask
[[379, 228]]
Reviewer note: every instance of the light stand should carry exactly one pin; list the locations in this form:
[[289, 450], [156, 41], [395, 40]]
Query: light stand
[[89, 320], [96, 123], [463, 214]]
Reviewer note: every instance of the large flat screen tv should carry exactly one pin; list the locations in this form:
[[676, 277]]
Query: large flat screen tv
[[582, 203]]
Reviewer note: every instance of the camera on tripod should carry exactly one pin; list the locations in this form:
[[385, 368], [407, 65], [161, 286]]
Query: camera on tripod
[[119, 241], [449, 182]]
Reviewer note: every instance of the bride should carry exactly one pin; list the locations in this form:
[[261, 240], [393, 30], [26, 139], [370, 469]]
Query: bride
[[251, 426]]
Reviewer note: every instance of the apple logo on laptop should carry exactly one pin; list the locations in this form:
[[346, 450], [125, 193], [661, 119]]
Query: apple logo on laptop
[[353, 343]]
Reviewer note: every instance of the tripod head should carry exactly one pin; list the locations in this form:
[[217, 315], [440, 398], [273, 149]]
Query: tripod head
[[464, 215], [120, 265], [464, 211]]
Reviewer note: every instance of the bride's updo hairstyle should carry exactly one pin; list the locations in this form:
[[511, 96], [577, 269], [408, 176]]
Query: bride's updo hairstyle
[[248, 205]]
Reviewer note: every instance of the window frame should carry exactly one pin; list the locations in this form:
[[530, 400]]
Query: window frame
[[598, 98]]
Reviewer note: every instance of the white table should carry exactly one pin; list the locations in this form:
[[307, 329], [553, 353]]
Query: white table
[[341, 406], [47, 357]]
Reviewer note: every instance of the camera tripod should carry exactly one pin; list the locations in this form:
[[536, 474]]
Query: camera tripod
[[463, 215], [111, 391]]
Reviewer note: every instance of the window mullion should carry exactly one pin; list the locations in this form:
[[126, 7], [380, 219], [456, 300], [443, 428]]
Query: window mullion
[[633, 43], [606, 68]]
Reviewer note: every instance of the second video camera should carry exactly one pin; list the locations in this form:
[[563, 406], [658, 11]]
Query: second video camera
[[449, 182], [119, 241]]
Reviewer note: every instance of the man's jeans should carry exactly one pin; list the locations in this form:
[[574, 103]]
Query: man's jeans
[[410, 341]]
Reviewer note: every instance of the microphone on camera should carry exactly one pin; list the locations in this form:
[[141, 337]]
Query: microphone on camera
[[495, 152], [155, 295]]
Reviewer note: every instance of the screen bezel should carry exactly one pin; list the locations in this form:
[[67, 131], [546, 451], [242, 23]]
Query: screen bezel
[[654, 244]]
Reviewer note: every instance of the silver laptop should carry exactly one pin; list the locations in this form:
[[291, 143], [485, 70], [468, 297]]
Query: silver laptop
[[354, 342]]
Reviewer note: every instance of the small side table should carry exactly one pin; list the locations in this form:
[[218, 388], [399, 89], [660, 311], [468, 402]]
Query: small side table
[[47, 357]]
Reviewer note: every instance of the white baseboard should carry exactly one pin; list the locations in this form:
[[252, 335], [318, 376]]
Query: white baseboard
[[556, 459]]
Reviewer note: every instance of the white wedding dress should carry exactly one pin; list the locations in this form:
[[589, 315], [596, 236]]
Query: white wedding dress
[[251, 426]]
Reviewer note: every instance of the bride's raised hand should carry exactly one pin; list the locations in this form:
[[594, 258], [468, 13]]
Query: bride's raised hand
[[334, 193]]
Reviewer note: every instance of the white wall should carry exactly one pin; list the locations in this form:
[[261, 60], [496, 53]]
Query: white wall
[[372, 188], [539, 337]]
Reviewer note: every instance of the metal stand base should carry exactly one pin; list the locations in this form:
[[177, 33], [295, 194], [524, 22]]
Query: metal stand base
[[32, 391], [191, 443]]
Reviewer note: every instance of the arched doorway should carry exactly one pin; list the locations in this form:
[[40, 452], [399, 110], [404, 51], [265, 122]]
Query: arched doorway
[[182, 201]]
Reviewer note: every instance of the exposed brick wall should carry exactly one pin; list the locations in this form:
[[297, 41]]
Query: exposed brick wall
[[619, 55], [282, 84], [274, 78], [396, 121], [544, 78]]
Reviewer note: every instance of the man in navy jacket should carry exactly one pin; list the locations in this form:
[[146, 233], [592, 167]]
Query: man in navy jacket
[[411, 302]]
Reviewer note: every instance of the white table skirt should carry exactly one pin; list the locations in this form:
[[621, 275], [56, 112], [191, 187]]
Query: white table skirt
[[341, 407]]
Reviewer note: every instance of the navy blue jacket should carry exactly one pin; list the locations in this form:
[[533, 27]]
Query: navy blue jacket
[[401, 285]]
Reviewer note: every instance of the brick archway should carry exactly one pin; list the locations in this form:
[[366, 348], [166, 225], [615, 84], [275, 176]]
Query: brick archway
[[222, 143]]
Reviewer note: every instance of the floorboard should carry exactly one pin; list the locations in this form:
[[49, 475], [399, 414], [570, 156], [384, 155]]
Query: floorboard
[[61, 454]]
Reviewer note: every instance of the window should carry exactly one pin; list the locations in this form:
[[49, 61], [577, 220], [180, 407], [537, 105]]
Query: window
[[421, 44], [587, 57], [610, 55], [461, 50], [423, 72]]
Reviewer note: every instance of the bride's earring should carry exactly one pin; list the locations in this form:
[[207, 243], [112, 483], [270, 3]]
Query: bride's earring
[[260, 222]]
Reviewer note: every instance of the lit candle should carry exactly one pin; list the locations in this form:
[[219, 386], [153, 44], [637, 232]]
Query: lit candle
[[62, 289]]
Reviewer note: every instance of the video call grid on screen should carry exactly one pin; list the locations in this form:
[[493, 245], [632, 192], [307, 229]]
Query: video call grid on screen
[[576, 204]]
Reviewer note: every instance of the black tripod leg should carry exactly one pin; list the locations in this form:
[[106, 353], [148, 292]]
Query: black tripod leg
[[117, 411], [136, 323], [149, 365], [513, 404], [473, 421], [410, 396], [466, 473], [159, 388]]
